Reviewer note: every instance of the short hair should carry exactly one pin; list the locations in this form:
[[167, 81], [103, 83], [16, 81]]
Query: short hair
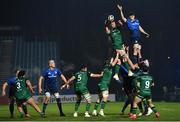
[[82, 66], [16, 70], [21, 73], [51, 61], [131, 14]]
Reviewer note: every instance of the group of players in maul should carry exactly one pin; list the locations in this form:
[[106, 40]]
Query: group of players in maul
[[137, 81]]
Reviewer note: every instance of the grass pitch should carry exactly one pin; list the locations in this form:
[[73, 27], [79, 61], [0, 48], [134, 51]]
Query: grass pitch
[[168, 111]]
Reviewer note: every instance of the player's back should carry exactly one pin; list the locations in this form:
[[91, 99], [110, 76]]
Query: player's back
[[81, 78], [21, 90], [145, 83], [107, 74]]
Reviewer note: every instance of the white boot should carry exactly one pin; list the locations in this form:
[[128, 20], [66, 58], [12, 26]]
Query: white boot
[[149, 111], [75, 114], [140, 114], [101, 113], [116, 77], [130, 73], [94, 113], [87, 114]]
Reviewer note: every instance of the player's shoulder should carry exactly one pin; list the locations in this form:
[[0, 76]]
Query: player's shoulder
[[136, 19], [57, 69], [11, 79], [46, 70]]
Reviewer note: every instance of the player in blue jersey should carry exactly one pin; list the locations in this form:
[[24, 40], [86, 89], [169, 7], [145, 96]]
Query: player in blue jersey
[[9, 83], [50, 76], [135, 29]]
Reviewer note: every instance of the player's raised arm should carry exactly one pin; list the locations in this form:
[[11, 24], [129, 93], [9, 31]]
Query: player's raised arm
[[121, 13], [30, 86], [143, 31], [40, 84], [4, 88], [107, 30]]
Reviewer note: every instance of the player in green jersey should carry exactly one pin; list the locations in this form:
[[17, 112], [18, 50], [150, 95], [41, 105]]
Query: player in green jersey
[[143, 85], [9, 83], [113, 30], [104, 88], [80, 86], [22, 93]]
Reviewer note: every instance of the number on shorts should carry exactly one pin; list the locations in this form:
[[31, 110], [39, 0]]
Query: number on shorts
[[147, 84]]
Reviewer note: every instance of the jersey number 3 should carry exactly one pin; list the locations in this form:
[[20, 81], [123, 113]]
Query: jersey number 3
[[18, 85]]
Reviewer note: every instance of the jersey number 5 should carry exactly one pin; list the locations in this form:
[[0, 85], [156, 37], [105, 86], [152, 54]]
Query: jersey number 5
[[79, 77]]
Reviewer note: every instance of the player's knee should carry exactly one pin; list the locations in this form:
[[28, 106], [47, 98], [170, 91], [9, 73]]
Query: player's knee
[[98, 101], [87, 98], [57, 95], [12, 100], [119, 61], [105, 94], [47, 95]]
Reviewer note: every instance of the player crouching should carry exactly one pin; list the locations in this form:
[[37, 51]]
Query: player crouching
[[143, 84]]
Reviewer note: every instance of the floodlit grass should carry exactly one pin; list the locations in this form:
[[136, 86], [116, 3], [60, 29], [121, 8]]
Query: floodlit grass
[[168, 111]]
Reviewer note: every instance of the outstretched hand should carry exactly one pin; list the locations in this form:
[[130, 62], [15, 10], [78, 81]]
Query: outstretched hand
[[65, 85], [119, 7], [147, 35]]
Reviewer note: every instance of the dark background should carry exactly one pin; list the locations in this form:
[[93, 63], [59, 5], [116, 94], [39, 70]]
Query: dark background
[[79, 25]]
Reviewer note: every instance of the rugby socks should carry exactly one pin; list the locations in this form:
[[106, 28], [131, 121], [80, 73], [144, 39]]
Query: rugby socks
[[145, 106], [21, 114], [24, 107], [44, 107], [127, 102], [77, 104], [154, 109], [140, 107], [88, 105], [11, 109], [60, 106], [103, 104], [117, 69], [96, 105], [127, 65], [134, 110]]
